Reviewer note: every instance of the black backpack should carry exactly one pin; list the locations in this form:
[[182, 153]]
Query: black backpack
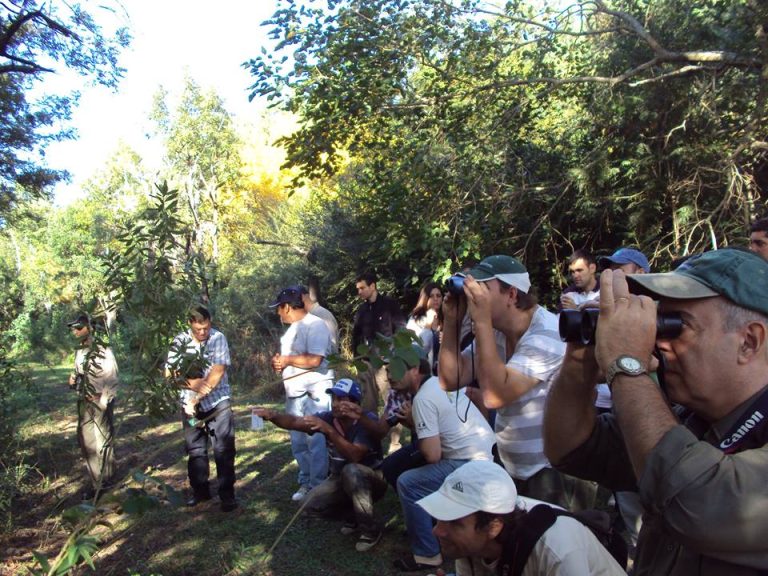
[[540, 519]]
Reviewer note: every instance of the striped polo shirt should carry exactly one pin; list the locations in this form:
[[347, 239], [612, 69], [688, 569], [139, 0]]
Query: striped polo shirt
[[519, 425]]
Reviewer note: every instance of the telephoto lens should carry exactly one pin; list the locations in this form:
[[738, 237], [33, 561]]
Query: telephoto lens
[[455, 285]]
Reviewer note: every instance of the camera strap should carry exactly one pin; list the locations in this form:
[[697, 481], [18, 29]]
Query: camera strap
[[750, 430]]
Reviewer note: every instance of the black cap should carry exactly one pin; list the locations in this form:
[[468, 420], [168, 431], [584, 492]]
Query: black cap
[[79, 322], [290, 295]]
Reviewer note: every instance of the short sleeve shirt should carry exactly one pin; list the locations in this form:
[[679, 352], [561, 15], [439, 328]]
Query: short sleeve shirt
[[215, 350]]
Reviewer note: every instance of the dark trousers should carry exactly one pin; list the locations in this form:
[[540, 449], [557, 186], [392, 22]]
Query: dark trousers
[[219, 431], [554, 487], [406, 458]]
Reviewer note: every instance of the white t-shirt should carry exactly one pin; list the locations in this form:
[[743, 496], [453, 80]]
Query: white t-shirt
[[309, 335], [464, 432], [568, 548]]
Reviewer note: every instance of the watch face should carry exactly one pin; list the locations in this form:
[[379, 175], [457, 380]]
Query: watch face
[[630, 364]]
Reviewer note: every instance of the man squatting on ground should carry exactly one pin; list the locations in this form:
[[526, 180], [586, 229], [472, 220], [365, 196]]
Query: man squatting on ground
[[355, 480], [95, 378], [478, 517], [302, 362], [515, 355], [701, 472], [213, 410]]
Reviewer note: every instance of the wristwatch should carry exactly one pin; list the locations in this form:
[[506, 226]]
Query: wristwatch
[[624, 364]]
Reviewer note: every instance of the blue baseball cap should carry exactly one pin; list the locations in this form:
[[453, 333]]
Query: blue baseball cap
[[346, 387], [626, 256]]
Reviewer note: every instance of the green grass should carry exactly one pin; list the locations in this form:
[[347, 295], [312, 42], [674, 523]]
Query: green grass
[[179, 541]]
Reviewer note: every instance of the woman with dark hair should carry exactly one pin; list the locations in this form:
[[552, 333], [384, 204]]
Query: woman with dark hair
[[426, 320]]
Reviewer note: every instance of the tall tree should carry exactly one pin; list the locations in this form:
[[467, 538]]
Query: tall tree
[[528, 128], [38, 39]]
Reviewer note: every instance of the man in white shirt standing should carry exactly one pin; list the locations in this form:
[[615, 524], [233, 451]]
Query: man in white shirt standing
[[302, 362]]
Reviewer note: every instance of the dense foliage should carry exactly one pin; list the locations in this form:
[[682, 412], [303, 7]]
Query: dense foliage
[[458, 130]]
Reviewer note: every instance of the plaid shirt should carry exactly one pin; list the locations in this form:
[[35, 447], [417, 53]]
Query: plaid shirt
[[215, 351]]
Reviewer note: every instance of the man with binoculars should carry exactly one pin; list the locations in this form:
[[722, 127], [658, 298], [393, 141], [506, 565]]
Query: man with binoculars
[[514, 357], [700, 471]]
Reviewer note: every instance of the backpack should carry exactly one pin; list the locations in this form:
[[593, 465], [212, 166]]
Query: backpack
[[541, 518]]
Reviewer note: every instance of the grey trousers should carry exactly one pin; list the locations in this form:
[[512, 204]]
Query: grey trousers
[[357, 487], [95, 434]]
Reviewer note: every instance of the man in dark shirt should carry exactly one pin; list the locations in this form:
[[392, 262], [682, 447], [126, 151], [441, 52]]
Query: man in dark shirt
[[355, 480], [377, 314], [701, 477]]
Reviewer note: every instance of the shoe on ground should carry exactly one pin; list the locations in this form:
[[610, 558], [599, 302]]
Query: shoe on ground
[[348, 528], [367, 541], [300, 494], [229, 505], [409, 564], [195, 499]]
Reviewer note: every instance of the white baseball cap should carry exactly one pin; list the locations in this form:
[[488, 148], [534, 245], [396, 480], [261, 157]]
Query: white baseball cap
[[477, 485]]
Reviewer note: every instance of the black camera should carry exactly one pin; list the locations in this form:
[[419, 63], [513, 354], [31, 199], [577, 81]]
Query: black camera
[[393, 420], [78, 382], [580, 325], [455, 285]]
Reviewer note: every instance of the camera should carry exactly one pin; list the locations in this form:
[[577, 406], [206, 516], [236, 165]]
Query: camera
[[78, 382], [393, 420], [455, 285], [581, 325]]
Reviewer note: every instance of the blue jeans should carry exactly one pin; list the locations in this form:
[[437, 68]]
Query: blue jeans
[[414, 485], [310, 451]]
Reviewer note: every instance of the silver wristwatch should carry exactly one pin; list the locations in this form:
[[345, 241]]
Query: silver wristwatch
[[624, 364]]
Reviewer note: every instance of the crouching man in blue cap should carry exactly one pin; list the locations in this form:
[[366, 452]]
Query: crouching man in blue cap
[[355, 481]]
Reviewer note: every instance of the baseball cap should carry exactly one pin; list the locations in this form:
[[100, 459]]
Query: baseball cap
[[79, 322], [734, 273], [346, 387], [626, 256], [476, 485], [505, 268], [290, 295]]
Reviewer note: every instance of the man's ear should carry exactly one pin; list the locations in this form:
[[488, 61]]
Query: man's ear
[[512, 295], [753, 343], [592, 268], [494, 528]]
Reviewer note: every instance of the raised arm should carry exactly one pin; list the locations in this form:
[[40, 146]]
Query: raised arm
[[453, 368], [569, 414]]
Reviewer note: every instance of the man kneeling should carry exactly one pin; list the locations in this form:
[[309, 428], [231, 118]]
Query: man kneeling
[[355, 456], [479, 524]]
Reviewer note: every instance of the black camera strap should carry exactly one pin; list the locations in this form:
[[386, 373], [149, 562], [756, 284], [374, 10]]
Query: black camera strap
[[750, 430]]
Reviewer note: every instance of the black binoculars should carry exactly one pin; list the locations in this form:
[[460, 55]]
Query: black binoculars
[[581, 325]]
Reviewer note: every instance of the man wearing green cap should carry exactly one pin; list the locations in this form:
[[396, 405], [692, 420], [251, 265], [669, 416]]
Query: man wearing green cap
[[514, 357], [700, 473]]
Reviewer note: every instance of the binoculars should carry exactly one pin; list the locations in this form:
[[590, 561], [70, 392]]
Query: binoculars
[[581, 325], [455, 285]]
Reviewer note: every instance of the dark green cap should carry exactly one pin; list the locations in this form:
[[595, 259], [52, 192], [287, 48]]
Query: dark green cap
[[736, 274], [505, 268]]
